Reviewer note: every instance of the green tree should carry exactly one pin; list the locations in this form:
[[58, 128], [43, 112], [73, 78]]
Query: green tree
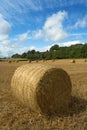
[[24, 55], [84, 51], [16, 56], [54, 47]]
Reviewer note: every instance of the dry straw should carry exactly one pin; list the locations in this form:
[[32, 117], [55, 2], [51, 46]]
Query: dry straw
[[43, 88]]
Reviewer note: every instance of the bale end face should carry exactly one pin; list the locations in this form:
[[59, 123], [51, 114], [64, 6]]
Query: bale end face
[[54, 91]]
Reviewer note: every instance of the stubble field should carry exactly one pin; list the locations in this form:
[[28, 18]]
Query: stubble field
[[14, 116]]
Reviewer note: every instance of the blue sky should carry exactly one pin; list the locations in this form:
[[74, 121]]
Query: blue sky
[[39, 24]]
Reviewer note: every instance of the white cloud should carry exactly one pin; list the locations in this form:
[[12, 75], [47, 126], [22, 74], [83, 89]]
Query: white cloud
[[5, 45], [8, 46], [37, 34], [70, 43], [52, 29], [5, 51], [23, 37], [42, 49], [4, 26], [16, 10], [8, 50], [80, 23], [4, 37], [25, 49]]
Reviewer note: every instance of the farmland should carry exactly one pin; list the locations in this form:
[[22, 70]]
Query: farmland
[[14, 116]]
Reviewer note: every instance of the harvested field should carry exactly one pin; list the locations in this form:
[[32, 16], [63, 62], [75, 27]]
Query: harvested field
[[14, 116]]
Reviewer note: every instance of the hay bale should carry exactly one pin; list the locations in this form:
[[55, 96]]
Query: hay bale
[[37, 61], [85, 60], [17, 61], [53, 60], [43, 88], [73, 61], [44, 60], [29, 61], [13, 60], [9, 61]]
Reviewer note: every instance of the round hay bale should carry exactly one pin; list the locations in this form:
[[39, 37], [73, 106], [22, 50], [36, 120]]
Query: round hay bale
[[53, 60], [73, 61], [17, 61], [85, 60], [43, 88], [29, 61], [44, 60], [37, 61], [9, 61], [13, 61]]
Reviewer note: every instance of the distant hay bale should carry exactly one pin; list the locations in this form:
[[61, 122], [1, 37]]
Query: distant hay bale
[[73, 61], [53, 60], [17, 61], [37, 61], [43, 88], [13, 61], [9, 61], [44, 60], [85, 60], [29, 61]]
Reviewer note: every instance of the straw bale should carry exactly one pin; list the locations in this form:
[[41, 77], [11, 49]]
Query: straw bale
[[37, 61], [16, 61], [85, 60], [29, 61], [43, 88], [73, 61], [53, 60], [44, 60], [9, 61]]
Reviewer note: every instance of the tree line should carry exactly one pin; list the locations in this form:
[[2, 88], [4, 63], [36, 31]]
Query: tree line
[[56, 52]]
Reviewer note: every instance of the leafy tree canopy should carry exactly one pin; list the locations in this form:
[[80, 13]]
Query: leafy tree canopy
[[56, 52]]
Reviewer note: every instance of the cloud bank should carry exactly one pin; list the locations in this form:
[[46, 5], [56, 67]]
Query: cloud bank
[[5, 28], [53, 29]]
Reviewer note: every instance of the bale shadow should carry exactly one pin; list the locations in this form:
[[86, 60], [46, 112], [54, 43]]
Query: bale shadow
[[77, 105]]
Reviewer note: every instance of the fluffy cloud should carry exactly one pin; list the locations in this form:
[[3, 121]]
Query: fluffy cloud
[[70, 43], [6, 47], [53, 28], [80, 23], [10, 49], [23, 37], [3, 37], [5, 51], [5, 28]]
